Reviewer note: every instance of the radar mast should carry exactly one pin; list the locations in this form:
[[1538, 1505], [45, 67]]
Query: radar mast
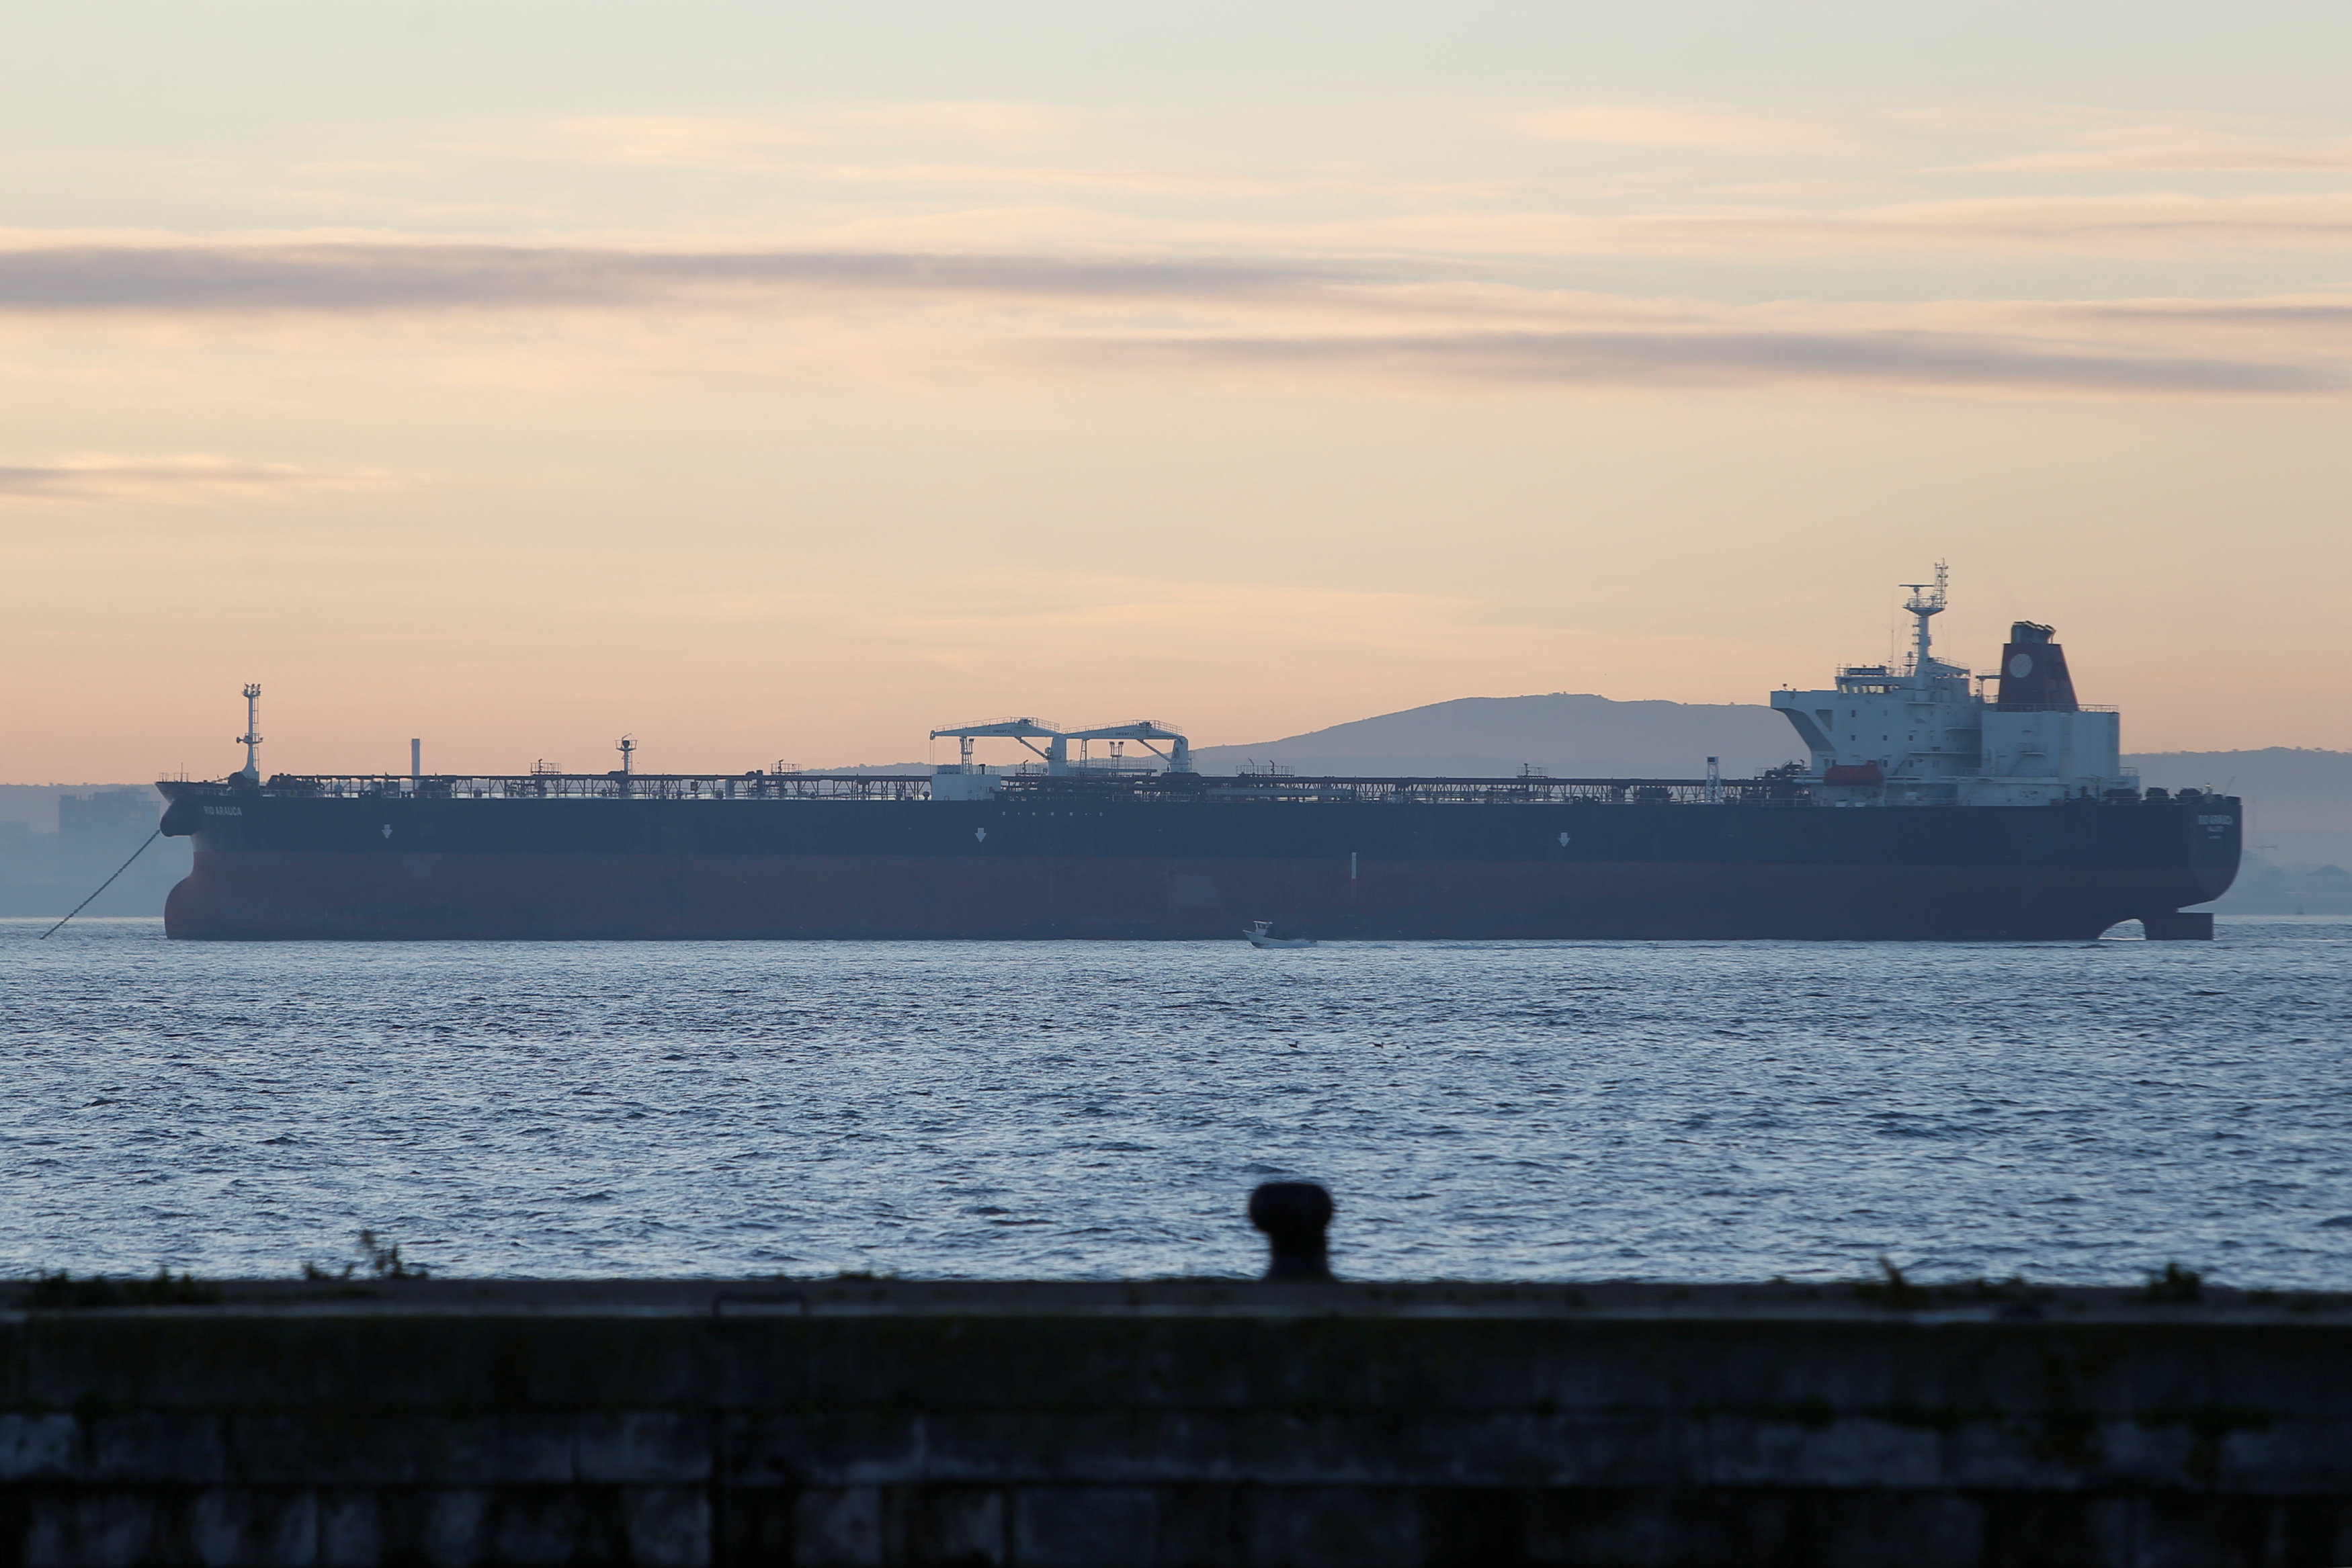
[[1926, 603], [251, 738]]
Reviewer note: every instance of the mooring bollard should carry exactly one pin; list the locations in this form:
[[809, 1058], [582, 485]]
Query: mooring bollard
[[1294, 1214]]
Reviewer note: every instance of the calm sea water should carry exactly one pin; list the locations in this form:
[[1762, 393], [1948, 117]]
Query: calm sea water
[[1555, 1110]]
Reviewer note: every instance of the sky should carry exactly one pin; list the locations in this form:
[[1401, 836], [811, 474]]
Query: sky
[[775, 382]]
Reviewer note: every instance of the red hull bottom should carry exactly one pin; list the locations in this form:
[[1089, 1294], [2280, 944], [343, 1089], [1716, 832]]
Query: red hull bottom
[[269, 895]]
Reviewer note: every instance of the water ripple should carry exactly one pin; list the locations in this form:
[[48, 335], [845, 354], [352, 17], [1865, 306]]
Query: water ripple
[[1659, 1110]]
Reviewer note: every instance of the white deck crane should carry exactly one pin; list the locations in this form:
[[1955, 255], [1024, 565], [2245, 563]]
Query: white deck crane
[[1179, 754], [1057, 753]]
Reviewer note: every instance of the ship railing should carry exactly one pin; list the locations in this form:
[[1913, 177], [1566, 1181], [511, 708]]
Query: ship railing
[[800, 785], [2053, 707], [1525, 789], [1521, 790]]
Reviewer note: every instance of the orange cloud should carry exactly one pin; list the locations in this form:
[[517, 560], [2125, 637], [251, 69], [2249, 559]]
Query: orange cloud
[[744, 141], [2184, 150]]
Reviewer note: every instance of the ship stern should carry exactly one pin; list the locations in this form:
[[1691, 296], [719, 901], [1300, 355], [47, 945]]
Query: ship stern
[[2211, 833]]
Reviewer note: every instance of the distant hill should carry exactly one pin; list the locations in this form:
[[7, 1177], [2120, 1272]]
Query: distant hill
[[2298, 802], [1567, 734], [2293, 787]]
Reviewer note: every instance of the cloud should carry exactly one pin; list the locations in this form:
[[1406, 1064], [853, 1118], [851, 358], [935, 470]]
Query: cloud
[[674, 141], [1276, 317], [2173, 149], [745, 141], [41, 274], [975, 120], [350, 277], [2165, 226], [2299, 315], [2161, 223], [169, 479], [1636, 125], [1950, 362], [1153, 181]]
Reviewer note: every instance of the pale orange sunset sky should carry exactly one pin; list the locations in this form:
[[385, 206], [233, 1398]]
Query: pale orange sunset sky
[[778, 381]]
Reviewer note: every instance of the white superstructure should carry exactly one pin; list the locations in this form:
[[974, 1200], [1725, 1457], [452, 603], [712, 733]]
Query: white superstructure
[[1922, 736]]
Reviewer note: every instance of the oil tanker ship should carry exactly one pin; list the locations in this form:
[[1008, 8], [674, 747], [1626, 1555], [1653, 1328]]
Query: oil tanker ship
[[1925, 809]]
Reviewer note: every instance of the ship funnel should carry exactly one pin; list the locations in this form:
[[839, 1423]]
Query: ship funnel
[[2034, 671]]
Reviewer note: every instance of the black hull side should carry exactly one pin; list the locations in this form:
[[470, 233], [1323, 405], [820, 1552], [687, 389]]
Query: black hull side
[[397, 868]]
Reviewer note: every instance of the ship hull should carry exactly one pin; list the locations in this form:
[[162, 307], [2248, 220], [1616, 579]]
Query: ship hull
[[504, 870]]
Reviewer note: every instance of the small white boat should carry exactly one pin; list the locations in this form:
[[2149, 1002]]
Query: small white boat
[[1261, 934]]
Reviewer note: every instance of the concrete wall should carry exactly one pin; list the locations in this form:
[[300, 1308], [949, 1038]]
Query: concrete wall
[[1186, 1422]]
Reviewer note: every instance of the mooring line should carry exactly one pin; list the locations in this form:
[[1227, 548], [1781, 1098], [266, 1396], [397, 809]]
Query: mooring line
[[102, 886]]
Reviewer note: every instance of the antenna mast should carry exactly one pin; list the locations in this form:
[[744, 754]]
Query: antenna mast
[[251, 738], [1926, 602]]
